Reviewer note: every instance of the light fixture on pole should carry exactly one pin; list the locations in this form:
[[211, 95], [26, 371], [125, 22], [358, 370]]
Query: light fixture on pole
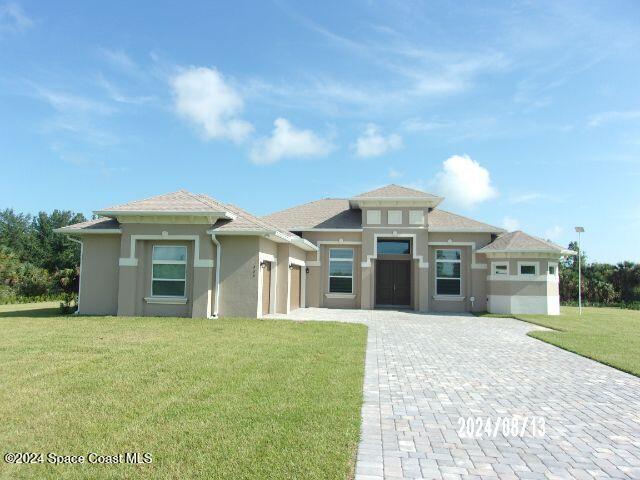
[[579, 230]]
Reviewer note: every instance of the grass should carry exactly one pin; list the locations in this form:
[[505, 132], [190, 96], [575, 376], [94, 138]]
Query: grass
[[234, 398], [607, 335]]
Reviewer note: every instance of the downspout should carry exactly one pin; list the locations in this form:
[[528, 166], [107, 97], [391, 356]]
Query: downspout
[[217, 280], [77, 312]]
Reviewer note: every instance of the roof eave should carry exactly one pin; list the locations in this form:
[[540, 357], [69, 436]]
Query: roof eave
[[87, 231], [164, 213], [521, 250], [465, 230], [430, 202]]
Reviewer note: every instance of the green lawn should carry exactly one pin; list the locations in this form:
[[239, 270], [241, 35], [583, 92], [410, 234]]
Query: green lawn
[[232, 398], [608, 335]]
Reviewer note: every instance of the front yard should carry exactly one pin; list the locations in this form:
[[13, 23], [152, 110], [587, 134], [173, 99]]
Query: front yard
[[608, 335], [232, 398]]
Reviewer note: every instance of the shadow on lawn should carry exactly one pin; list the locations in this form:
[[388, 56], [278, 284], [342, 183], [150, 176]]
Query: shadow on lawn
[[32, 312]]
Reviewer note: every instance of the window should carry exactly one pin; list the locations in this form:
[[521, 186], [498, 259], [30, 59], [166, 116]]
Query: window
[[169, 271], [553, 268], [527, 268], [394, 217], [394, 247], [373, 217], [340, 270], [416, 217], [500, 268], [448, 279]]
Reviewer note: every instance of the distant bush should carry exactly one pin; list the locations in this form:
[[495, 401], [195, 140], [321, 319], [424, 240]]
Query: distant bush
[[629, 306]]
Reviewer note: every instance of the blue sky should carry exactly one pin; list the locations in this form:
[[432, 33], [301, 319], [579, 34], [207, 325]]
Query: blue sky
[[525, 115]]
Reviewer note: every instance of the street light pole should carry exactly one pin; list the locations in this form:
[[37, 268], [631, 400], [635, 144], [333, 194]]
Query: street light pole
[[579, 230]]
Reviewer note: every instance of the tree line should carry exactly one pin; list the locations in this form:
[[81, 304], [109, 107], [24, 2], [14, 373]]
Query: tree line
[[35, 262], [602, 283]]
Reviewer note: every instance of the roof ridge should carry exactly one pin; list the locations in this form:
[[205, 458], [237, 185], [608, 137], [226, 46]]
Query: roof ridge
[[257, 220], [145, 199], [201, 198]]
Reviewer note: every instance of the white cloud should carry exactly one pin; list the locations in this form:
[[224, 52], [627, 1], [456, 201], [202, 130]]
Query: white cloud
[[554, 232], [285, 142], [204, 97], [510, 224], [607, 117], [13, 19], [372, 143], [464, 181], [69, 103]]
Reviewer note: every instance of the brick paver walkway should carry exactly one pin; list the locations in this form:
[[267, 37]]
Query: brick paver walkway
[[425, 372]]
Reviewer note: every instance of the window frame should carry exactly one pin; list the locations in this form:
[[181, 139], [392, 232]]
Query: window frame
[[170, 262], [499, 264], [416, 215], [459, 294], [349, 260], [555, 266], [374, 217], [396, 239], [535, 265], [397, 221]]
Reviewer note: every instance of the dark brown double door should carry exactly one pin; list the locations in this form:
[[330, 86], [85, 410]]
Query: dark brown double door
[[393, 283]]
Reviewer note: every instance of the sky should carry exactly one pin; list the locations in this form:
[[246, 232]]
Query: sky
[[524, 115]]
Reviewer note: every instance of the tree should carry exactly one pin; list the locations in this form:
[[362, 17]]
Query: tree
[[16, 233], [626, 280], [53, 251]]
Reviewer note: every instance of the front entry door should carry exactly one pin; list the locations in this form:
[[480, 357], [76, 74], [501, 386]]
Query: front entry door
[[393, 283]]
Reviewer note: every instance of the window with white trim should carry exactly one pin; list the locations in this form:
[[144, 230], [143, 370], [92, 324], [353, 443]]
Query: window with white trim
[[341, 270], [500, 268], [553, 269], [527, 268], [169, 271], [448, 272]]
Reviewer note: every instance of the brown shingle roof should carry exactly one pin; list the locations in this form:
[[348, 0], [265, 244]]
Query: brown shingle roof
[[441, 219], [178, 202], [519, 241], [395, 191], [247, 222], [96, 225], [325, 213]]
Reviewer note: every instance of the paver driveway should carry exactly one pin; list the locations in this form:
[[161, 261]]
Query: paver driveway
[[425, 372]]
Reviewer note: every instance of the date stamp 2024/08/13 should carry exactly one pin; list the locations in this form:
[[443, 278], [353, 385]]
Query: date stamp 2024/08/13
[[516, 426], [53, 458]]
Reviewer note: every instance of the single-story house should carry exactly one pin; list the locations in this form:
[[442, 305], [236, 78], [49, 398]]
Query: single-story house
[[185, 254]]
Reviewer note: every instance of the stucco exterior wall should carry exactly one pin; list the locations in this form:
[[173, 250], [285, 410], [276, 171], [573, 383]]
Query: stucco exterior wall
[[239, 272], [134, 280], [515, 293], [99, 276], [317, 285]]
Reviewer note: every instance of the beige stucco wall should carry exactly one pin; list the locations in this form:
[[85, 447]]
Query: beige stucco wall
[[474, 275], [135, 280], [99, 278], [317, 285], [384, 216], [520, 294], [239, 272]]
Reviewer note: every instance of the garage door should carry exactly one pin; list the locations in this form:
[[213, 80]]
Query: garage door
[[296, 276], [266, 287]]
